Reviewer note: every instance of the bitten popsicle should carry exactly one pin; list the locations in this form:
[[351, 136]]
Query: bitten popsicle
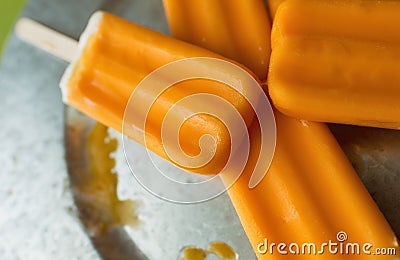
[[337, 61]]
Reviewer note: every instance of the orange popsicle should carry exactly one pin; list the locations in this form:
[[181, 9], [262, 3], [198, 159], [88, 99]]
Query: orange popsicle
[[230, 34], [115, 55], [311, 192], [337, 61], [309, 195]]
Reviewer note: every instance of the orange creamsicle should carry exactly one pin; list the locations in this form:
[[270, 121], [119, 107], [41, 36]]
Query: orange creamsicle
[[311, 192], [230, 35], [337, 61], [115, 55]]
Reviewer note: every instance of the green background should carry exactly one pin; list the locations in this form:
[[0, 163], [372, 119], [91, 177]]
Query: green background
[[9, 10]]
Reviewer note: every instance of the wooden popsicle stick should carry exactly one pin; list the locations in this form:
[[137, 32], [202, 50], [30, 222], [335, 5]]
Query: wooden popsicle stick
[[46, 39]]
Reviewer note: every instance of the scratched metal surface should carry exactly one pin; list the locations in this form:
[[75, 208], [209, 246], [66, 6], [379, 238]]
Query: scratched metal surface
[[39, 218]]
